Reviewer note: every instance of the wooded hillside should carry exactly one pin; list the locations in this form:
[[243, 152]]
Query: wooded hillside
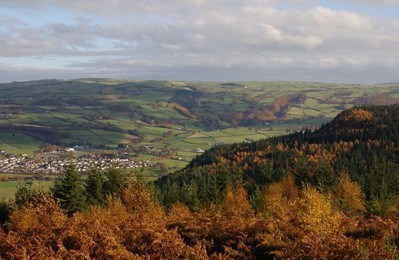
[[362, 143]]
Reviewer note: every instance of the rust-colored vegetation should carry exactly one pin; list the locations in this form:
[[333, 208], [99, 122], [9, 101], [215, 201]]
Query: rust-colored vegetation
[[286, 223], [182, 110], [359, 115]]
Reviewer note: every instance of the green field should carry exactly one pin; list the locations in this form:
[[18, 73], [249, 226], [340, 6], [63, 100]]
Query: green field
[[16, 143], [107, 113], [8, 189]]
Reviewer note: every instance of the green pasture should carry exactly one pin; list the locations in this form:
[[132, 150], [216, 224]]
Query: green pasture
[[43, 118], [174, 164], [185, 154], [147, 174], [239, 131], [186, 144], [233, 139], [295, 112], [16, 143], [95, 136], [308, 112], [311, 102], [122, 124], [216, 134], [152, 132], [8, 189], [198, 135], [71, 117], [199, 141]]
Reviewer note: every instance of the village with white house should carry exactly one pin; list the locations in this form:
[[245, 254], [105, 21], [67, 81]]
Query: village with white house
[[57, 165]]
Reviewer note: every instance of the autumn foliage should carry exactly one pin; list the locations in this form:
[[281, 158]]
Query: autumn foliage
[[287, 223], [359, 115], [131, 226]]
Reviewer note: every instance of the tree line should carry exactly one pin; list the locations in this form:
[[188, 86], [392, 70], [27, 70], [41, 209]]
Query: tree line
[[285, 222]]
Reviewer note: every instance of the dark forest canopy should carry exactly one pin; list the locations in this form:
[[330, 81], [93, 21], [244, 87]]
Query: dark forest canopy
[[362, 142]]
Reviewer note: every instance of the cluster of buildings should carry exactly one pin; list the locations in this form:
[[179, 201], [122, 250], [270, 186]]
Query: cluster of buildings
[[52, 165]]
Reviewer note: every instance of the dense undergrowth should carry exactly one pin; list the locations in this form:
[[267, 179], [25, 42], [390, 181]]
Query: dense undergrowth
[[288, 223]]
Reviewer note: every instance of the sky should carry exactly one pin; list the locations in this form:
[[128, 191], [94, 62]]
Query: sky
[[353, 41]]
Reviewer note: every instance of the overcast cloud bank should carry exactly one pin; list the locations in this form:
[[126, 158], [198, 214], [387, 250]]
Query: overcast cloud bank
[[335, 41]]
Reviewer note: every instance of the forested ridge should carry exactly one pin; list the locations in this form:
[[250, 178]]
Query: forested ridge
[[362, 142], [332, 193]]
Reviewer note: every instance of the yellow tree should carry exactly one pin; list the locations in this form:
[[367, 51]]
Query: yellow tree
[[348, 196]]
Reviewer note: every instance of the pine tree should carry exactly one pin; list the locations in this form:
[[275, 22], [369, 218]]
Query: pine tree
[[94, 188], [26, 194], [69, 191], [114, 181], [5, 211]]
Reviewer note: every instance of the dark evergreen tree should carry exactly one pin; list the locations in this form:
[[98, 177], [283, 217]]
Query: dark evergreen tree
[[69, 191], [324, 177], [94, 188], [114, 181], [5, 211], [26, 194]]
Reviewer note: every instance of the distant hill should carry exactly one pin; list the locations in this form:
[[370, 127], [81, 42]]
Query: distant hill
[[169, 116], [362, 142]]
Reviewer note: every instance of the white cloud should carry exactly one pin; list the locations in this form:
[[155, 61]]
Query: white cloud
[[172, 38], [374, 2]]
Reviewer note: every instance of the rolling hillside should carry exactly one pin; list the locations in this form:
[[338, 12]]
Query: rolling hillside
[[362, 143], [167, 120]]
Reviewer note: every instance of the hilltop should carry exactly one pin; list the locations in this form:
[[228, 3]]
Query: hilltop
[[361, 142]]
